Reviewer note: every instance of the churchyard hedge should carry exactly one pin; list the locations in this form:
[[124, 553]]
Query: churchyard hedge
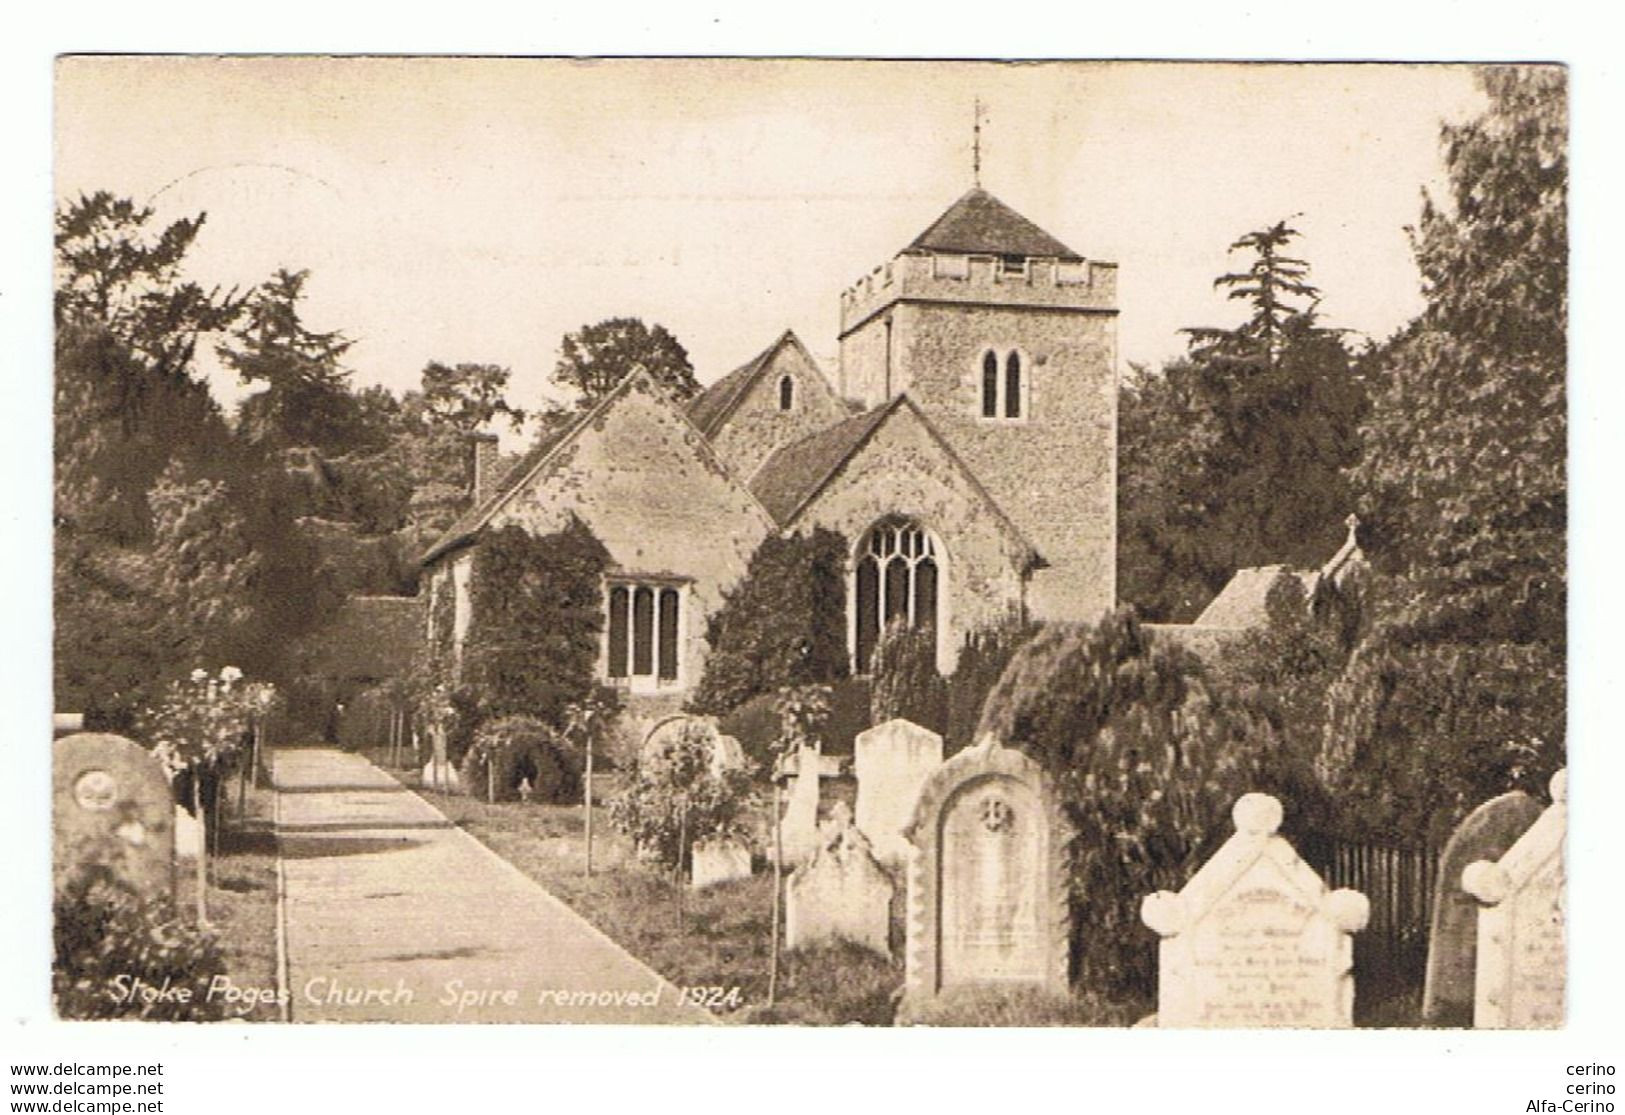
[[783, 624], [1148, 759]]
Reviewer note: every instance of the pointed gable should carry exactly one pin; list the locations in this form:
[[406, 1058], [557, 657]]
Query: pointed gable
[[980, 224]]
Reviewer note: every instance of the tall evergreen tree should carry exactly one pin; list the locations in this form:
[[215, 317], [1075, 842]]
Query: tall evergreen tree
[[1456, 691]]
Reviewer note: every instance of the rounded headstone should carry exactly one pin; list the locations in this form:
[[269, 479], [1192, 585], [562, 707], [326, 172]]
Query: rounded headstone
[[112, 807], [1256, 814]]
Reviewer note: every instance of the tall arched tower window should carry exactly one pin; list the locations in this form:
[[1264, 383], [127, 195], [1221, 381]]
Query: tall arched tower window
[[787, 392], [897, 576], [990, 385], [1012, 385]]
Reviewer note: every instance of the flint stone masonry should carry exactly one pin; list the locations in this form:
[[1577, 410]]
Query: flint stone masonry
[[718, 861], [1486, 833], [112, 807], [892, 761], [987, 888], [1256, 939], [1522, 954], [841, 893]]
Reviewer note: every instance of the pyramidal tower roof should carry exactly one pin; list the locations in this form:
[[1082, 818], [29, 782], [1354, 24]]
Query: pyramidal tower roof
[[980, 224]]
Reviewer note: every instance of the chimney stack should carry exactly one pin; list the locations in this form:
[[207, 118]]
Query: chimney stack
[[482, 466]]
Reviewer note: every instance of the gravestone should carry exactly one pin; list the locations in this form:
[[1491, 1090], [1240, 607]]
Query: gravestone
[[987, 887], [112, 807], [1256, 939], [726, 752], [798, 833], [841, 893], [892, 761], [1486, 833], [718, 861], [1522, 958]]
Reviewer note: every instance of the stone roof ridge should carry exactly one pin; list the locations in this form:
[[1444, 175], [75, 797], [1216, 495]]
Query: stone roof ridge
[[980, 224]]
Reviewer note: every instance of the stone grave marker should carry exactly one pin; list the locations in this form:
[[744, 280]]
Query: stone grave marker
[[892, 761], [799, 826], [112, 806], [1256, 939], [718, 861], [1486, 833], [1522, 961], [726, 751], [841, 893], [987, 888]]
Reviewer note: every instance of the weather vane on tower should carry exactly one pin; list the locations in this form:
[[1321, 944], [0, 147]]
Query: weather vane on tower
[[976, 145]]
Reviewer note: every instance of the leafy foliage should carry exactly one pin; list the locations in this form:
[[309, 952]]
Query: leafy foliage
[[1232, 457], [982, 661], [676, 796], [783, 624], [532, 643], [104, 931], [1455, 692], [1148, 758], [595, 358], [906, 682], [467, 396]]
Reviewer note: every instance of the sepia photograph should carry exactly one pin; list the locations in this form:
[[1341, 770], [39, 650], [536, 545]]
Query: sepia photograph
[[809, 542]]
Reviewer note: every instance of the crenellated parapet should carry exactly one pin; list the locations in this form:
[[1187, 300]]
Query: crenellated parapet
[[1035, 281]]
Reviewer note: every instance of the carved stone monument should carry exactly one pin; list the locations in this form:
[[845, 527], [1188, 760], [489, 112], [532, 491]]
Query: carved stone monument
[[987, 889], [892, 761], [1522, 961], [1486, 833], [841, 893], [718, 861], [112, 807], [1256, 939]]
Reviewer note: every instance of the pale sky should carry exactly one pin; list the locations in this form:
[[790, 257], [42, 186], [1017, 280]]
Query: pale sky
[[476, 210]]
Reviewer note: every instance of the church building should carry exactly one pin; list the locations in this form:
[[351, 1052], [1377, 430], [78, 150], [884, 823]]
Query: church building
[[965, 449]]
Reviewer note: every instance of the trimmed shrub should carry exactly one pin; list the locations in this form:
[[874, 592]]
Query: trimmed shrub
[[106, 937], [905, 679], [1148, 760], [782, 625], [511, 749], [538, 608]]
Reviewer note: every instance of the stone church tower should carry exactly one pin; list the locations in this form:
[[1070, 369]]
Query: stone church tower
[[1007, 340]]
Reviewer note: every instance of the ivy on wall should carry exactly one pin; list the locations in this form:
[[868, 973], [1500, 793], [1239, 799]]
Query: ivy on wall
[[538, 609], [784, 624]]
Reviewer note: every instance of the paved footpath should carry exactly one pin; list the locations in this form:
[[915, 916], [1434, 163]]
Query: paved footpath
[[391, 913]]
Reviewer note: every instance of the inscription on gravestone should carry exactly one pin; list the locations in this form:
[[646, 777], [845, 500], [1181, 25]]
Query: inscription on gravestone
[[1255, 939], [1522, 963], [987, 889]]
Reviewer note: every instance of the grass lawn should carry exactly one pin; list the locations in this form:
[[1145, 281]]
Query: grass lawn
[[241, 898], [713, 938]]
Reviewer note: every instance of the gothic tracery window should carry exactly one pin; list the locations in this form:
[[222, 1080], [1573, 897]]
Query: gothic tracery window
[[897, 579]]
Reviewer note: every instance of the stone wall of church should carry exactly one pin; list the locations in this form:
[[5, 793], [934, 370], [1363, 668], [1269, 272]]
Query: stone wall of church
[[1054, 470], [757, 426], [642, 478], [904, 471]]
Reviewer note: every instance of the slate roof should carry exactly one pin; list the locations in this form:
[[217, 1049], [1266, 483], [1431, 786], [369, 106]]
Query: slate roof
[[795, 473], [475, 517], [369, 637], [1244, 601], [710, 408], [980, 224]]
